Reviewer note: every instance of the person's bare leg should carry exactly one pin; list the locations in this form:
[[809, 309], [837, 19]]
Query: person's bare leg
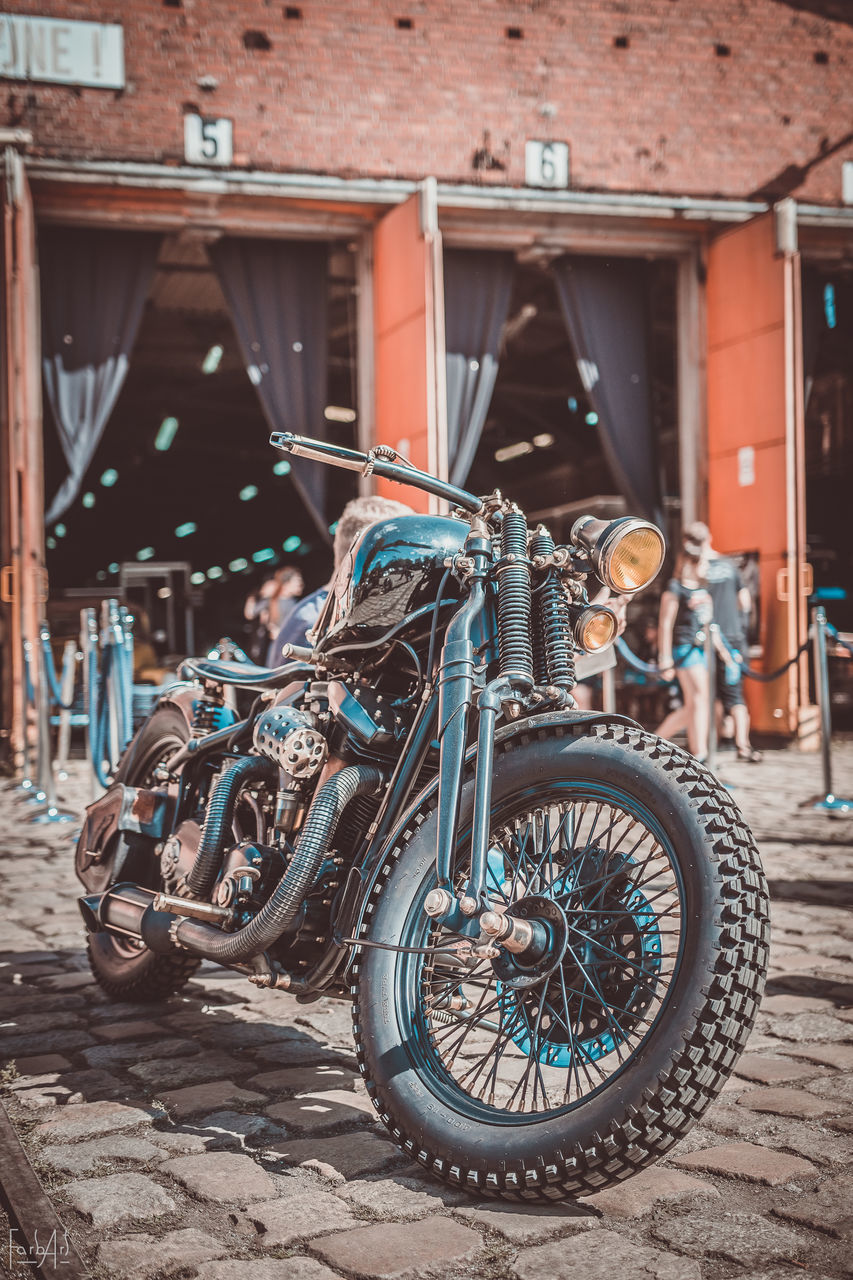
[[694, 686], [672, 723]]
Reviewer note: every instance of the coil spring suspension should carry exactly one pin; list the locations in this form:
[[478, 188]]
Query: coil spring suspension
[[210, 714], [553, 653], [514, 600]]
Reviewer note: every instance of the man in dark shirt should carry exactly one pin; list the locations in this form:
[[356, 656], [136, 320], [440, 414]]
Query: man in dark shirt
[[732, 604]]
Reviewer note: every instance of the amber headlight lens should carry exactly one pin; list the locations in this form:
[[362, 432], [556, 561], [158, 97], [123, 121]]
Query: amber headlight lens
[[634, 559], [626, 553], [595, 629]]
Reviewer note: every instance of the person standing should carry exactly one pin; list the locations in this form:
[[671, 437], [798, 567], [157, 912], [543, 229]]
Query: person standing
[[732, 605], [686, 609]]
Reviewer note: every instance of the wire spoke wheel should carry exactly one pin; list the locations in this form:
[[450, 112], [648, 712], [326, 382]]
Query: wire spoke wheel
[[585, 1050], [545, 1046]]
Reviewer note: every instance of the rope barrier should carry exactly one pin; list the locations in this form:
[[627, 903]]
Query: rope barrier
[[50, 670]]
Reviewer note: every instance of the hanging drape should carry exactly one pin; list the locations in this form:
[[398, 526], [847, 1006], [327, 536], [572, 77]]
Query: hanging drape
[[276, 292], [93, 287], [605, 303], [814, 324], [477, 286]]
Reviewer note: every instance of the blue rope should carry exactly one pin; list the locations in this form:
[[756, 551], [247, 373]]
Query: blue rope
[[29, 689], [98, 715], [50, 672]]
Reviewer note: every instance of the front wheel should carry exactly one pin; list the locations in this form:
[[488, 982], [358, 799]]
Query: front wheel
[[555, 1072]]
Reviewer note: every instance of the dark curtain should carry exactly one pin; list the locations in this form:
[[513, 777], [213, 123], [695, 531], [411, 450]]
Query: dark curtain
[[277, 295], [477, 286], [605, 303], [814, 323], [93, 287]]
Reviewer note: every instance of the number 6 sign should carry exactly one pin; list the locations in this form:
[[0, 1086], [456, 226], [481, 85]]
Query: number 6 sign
[[208, 141], [546, 164]]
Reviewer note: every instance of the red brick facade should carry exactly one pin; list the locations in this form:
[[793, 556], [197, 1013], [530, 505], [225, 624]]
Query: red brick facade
[[698, 97]]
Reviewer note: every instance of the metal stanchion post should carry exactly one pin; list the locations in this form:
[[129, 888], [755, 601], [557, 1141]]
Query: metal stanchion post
[[89, 649], [28, 785], [46, 783], [830, 802], [126, 620], [712, 633], [63, 741], [112, 688]]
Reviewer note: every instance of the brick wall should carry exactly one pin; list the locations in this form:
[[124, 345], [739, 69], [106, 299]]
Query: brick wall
[[711, 97]]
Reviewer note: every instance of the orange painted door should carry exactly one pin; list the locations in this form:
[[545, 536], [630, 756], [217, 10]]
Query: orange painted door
[[23, 579], [408, 335], [755, 444]]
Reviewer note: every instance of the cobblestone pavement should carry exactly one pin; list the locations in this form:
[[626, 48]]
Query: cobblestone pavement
[[226, 1134]]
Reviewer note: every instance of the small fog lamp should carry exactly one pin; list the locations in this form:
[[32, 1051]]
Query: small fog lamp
[[626, 553], [594, 629]]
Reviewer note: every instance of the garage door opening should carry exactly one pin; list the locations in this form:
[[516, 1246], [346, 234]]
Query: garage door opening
[[184, 471]]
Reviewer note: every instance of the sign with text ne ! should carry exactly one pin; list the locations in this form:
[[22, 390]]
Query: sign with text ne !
[[60, 51]]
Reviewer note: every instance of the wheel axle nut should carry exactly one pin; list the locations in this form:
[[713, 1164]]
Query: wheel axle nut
[[514, 935], [438, 903], [467, 905]]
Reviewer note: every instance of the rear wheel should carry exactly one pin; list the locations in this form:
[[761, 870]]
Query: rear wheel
[[554, 1072], [124, 968]]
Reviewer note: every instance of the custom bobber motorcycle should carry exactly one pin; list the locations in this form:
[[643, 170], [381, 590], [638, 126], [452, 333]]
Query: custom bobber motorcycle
[[552, 926]]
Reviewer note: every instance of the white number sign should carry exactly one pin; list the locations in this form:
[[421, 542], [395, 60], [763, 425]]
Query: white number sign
[[546, 164], [208, 141]]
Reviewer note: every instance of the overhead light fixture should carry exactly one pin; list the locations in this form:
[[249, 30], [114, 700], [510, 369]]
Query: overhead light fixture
[[100, 575], [88, 500], [184, 530], [511, 451], [166, 434], [266, 553], [573, 404], [238, 565], [50, 543], [281, 468], [215, 572], [109, 477], [591, 419], [197, 578], [164, 593], [147, 553], [293, 543], [248, 492], [337, 413], [113, 568], [210, 363], [543, 441], [59, 530]]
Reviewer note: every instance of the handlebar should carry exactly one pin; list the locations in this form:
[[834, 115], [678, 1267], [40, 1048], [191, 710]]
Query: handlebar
[[353, 460]]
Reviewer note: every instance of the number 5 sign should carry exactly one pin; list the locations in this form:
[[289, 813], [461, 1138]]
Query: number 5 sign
[[546, 164], [208, 141]]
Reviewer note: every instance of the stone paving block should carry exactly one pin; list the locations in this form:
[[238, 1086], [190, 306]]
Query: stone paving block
[[791, 1102], [177, 1141], [304, 1079], [241, 1034], [318, 1111], [300, 1216], [805, 1028], [393, 1251], [178, 1073], [828, 1209], [92, 1086], [83, 1157], [828, 1055], [27, 1023], [139, 1030], [69, 1040], [119, 1055], [231, 1129], [223, 1176], [837, 1088], [647, 1189], [749, 1161], [118, 1198], [88, 1119], [400, 1197], [217, 1095], [41, 1064], [301, 1053], [67, 981], [348, 1156], [266, 1269], [766, 1070], [745, 1238], [602, 1255], [145, 1255], [528, 1223]]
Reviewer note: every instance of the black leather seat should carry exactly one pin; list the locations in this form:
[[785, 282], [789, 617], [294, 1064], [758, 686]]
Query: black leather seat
[[245, 674]]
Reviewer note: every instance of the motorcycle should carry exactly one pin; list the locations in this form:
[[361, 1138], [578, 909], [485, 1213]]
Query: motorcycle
[[552, 925]]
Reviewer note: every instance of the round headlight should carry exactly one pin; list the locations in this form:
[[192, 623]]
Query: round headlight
[[626, 553], [594, 629]]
